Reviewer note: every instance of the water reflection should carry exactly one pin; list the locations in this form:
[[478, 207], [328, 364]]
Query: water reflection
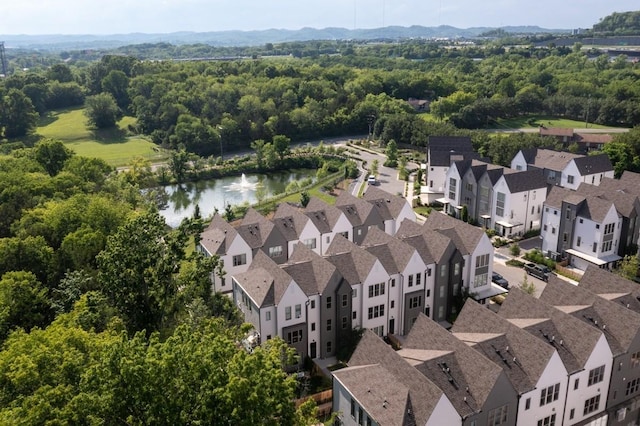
[[217, 193]]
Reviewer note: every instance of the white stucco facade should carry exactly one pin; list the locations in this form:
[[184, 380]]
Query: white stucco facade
[[519, 212]]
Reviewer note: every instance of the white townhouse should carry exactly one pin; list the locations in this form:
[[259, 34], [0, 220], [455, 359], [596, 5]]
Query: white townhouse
[[589, 169], [586, 228], [441, 152], [584, 351], [519, 197], [329, 220], [409, 278], [221, 239]]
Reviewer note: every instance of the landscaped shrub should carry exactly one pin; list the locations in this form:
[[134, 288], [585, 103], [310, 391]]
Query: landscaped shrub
[[536, 256], [531, 233], [514, 262], [500, 242], [514, 249]]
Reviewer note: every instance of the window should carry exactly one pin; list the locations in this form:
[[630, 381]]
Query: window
[[591, 405], [287, 313], [410, 281], [376, 290], [527, 404], [360, 416], [564, 237], [549, 394], [267, 316], [632, 386], [576, 383], [329, 346], [313, 326], [498, 416], [313, 304], [579, 241], [443, 290], [480, 279], [393, 304], [606, 246], [353, 408], [635, 359], [354, 292], [275, 251], [418, 279], [572, 413], [595, 247], [239, 259], [428, 292], [596, 375], [345, 300], [328, 325], [328, 239], [379, 331], [452, 188], [548, 421], [570, 179], [500, 199], [328, 302], [469, 187], [376, 311], [344, 234], [443, 271], [344, 322], [294, 336], [568, 213], [310, 243], [298, 311], [415, 302], [456, 269], [354, 315], [393, 282], [553, 230], [544, 228], [608, 228]]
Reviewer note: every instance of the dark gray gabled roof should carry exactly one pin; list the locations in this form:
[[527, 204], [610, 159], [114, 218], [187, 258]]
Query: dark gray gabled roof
[[527, 180], [550, 159], [573, 339], [557, 195], [393, 253], [432, 350], [311, 272], [619, 324], [448, 143], [465, 236], [289, 221], [255, 228], [631, 178], [265, 281], [592, 164], [445, 158], [352, 261], [218, 236], [612, 287], [387, 204], [323, 215], [355, 209], [529, 154], [424, 394], [595, 208], [625, 196], [521, 355]]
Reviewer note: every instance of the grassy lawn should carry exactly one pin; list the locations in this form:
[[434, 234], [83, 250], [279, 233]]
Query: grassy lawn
[[111, 145], [427, 116], [523, 122]]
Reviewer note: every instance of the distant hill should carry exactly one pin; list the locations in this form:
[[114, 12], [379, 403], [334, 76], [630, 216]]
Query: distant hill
[[626, 23], [253, 38]]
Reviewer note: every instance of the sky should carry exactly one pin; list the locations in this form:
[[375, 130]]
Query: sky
[[35, 17]]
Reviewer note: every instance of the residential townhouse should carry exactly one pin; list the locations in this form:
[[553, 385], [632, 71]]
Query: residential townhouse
[[584, 351], [534, 368], [621, 327], [612, 287], [563, 168], [261, 234], [585, 229], [360, 213], [477, 253], [441, 152], [296, 227], [586, 142], [478, 388], [518, 202], [369, 281], [409, 275], [392, 208], [329, 220], [439, 254], [380, 388], [221, 239]]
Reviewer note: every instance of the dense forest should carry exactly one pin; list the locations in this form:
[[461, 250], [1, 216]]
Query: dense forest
[[106, 317]]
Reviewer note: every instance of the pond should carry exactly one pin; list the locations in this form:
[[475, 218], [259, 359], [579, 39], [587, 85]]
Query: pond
[[217, 193]]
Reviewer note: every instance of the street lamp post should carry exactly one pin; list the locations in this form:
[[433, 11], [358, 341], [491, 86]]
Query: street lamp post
[[370, 119]]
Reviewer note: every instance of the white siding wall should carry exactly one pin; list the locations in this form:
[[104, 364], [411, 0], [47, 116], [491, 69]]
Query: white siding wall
[[293, 296], [406, 213], [429, 287], [576, 398], [313, 316], [238, 246], [309, 232], [377, 275], [591, 232], [554, 373], [519, 160], [342, 225], [270, 327], [444, 414], [453, 174], [550, 218], [484, 247], [437, 176]]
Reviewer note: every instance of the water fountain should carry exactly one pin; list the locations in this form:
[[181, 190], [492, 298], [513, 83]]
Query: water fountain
[[242, 186]]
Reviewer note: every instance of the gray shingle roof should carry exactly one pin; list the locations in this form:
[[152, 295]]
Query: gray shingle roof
[[255, 228], [625, 196], [385, 202], [591, 164], [323, 215], [558, 194], [424, 394], [218, 236], [573, 339], [393, 253], [289, 221], [595, 208], [525, 180], [351, 260], [465, 236], [467, 367], [612, 287], [622, 325], [355, 209], [549, 159], [257, 277], [311, 272], [531, 354], [631, 178]]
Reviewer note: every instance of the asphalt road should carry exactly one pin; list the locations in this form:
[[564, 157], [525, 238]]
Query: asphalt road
[[515, 276]]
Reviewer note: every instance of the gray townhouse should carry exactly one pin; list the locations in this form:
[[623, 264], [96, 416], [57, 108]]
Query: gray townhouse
[[360, 213], [262, 234]]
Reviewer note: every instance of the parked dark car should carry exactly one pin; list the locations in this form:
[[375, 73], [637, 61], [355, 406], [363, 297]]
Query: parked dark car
[[500, 280], [538, 271]]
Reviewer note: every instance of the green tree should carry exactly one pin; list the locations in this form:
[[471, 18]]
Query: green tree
[[392, 154], [179, 164], [116, 83], [102, 110], [52, 155], [374, 168], [527, 286], [31, 254], [629, 267], [24, 303], [258, 146], [304, 198], [18, 116], [281, 144]]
